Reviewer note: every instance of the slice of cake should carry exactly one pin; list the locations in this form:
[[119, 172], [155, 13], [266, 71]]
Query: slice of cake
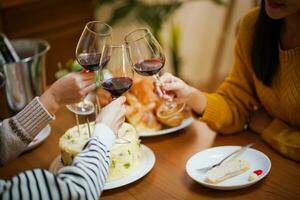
[[227, 170], [125, 157]]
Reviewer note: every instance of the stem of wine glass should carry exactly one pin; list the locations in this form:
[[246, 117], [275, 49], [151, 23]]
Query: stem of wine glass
[[158, 82]]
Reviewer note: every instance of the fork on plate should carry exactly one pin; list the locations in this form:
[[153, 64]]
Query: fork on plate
[[229, 157]]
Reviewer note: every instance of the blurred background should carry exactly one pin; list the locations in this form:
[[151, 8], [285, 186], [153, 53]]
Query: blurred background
[[197, 35]]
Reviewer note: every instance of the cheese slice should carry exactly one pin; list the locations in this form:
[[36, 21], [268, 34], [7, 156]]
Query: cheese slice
[[227, 170]]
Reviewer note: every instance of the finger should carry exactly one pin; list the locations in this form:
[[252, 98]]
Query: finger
[[180, 100], [121, 121], [158, 90], [172, 86], [123, 111], [87, 76], [84, 84], [167, 97], [89, 88], [122, 118], [120, 100], [123, 99], [167, 78]]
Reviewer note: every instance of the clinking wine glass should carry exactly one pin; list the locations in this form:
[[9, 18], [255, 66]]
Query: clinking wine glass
[[116, 76], [88, 52], [147, 59]]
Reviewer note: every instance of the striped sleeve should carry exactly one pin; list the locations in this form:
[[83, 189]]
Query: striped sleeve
[[84, 179]]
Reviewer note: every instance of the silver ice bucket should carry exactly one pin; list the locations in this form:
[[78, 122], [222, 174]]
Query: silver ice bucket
[[25, 79]]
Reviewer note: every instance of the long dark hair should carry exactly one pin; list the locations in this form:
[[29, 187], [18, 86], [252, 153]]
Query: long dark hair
[[265, 52]]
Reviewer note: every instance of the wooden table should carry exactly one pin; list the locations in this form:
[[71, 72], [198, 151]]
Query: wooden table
[[168, 179]]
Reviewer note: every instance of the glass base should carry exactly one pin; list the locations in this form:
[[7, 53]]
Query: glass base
[[82, 108], [169, 108]]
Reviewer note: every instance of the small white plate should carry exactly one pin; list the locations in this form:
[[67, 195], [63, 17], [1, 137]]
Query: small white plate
[[185, 123], [39, 138], [146, 164], [208, 157]]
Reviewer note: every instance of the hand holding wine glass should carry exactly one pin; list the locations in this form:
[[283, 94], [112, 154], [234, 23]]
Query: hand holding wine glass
[[116, 76], [193, 97], [66, 90], [113, 114], [147, 59], [88, 52]]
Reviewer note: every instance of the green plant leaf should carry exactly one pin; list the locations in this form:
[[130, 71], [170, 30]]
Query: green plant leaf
[[121, 11], [60, 73], [155, 15], [73, 65]]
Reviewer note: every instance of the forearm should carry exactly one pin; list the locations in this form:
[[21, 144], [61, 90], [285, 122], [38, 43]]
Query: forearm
[[89, 170], [92, 164], [17, 132], [84, 179], [283, 138]]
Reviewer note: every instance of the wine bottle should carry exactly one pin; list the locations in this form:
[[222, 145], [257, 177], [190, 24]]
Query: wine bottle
[[7, 52]]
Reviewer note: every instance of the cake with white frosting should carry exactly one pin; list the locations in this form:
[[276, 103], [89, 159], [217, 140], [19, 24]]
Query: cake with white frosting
[[125, 157]]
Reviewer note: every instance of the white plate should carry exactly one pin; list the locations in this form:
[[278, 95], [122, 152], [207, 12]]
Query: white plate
[[39, 138], [208, 157], [185, 123], [146, 164]]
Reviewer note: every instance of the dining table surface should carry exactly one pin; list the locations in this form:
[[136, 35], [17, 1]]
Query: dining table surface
[[168, 178]]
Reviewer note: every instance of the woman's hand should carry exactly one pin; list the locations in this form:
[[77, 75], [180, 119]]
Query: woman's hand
[[192, 96], [113, 114], [175, 85], [69, 89], [259, 121]]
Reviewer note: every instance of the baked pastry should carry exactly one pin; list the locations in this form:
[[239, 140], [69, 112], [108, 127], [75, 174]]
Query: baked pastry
[[141, 116], [143, 89], [124, 157], [144, 109]]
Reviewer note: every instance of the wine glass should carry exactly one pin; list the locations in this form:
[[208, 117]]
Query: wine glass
[[147, 59], [116, 76], [88, 52]]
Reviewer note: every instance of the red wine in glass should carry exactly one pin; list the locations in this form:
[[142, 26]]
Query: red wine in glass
[[90, 61], [117, 86], [88, 52], [148, 67], [148, 58]]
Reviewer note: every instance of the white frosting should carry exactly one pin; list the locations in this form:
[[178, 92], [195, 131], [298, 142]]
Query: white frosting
[[125, 157]]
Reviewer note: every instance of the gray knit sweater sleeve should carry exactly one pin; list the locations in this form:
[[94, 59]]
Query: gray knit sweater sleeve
[[18, 131]]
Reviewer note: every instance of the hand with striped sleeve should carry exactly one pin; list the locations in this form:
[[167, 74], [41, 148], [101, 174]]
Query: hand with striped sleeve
[[85, 178]]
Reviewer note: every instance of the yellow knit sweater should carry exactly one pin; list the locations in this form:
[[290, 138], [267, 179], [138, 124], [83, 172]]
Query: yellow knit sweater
[[229, 109]]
